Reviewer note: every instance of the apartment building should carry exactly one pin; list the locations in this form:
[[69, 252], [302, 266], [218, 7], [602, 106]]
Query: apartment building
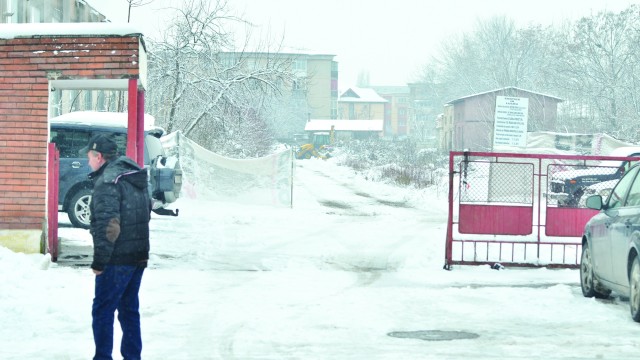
[[47, 11], [316, 77], [396, 110]]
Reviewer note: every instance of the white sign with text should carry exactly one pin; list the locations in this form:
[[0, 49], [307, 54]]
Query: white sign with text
[[510, 125]]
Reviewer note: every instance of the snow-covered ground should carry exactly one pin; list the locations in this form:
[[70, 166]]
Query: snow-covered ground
[[348, 273]]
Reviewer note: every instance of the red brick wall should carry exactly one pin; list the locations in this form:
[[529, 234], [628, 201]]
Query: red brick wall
[[24, 63]]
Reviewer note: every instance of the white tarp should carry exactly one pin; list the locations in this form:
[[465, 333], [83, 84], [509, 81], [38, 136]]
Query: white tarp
[[210, 176], [567, 143]]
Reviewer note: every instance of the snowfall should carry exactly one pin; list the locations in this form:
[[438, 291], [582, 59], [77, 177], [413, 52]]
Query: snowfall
[[353, 270]]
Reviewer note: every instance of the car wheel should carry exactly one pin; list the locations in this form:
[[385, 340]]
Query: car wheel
[[79, 212], [634, 290], [587, 282]]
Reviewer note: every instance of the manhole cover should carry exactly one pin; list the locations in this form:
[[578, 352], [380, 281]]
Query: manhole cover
[[434, 335]]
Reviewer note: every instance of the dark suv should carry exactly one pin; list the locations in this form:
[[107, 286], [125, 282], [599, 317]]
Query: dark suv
[[71, 132], [569, 186]]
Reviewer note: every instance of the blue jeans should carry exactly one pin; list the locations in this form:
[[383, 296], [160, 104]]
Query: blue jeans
[[117, 289]]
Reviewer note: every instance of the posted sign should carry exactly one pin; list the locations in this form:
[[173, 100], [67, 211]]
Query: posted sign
[[510, 126]]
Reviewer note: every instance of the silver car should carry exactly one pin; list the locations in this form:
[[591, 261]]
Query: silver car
[[611, 244]]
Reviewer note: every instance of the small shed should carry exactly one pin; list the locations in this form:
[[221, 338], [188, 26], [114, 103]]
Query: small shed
[[473, 116]]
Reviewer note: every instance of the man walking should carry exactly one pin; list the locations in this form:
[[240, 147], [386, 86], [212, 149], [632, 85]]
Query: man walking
[[120, 213]]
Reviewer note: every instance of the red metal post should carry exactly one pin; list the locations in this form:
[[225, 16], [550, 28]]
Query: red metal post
[[52, 208], [140, 128], [449, 242], [132, 126]]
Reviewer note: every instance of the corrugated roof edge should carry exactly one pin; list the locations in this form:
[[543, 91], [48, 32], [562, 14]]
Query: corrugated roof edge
[[102, 118], [10, 31]]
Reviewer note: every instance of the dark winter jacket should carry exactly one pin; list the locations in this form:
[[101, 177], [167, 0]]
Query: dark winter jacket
[[120, 213]]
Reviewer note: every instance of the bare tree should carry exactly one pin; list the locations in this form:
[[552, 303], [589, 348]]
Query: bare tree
[[593, 64], [495, 54], [136, 3], [598, 68], [201, 85]]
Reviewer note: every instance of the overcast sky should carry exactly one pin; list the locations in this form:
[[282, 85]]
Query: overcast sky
[[391, 40]]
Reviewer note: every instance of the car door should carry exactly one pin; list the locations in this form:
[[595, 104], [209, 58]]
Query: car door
[[622, 229], [600, 227], [614, 229]]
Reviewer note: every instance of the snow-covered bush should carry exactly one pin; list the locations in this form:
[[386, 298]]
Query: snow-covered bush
[[398, 162]]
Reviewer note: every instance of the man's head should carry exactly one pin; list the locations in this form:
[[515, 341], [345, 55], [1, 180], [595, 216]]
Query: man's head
[[99, 150]]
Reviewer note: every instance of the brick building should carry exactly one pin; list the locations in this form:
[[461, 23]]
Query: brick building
[[34, 60]]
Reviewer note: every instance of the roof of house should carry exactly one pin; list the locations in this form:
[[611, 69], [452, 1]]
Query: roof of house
[[502, 89], [392, 90], [344, 125], [356, 94]]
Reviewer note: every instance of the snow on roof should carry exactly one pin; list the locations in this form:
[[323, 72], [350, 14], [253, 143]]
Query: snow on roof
[[392, 90], [101, 118], [11, 31], [344, 125], [502, 89], [356, 94]]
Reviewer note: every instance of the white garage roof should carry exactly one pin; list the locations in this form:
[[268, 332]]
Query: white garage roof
[[344, 125]]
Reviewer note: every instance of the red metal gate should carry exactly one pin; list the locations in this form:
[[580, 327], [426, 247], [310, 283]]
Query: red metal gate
[[52, 208], [511, 209]]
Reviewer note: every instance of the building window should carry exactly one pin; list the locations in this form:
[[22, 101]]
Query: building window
[[35, 11], [300, 84], [9, 11], [300, 67]]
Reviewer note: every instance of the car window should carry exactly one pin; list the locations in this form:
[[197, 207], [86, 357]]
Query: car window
[[633, 198], [154, 148], [70, 141], [619, 192], [63, 138]]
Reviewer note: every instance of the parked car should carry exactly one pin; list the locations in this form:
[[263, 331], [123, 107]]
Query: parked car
[[567, 187], [72, 131], [611, 244]]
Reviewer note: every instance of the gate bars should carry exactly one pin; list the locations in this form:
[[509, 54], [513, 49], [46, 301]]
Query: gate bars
[[503, 209]]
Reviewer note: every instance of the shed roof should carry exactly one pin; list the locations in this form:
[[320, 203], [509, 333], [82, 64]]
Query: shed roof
[[503, 89], [344, 125]]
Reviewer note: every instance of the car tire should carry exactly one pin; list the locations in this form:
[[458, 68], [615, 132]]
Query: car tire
[[587, 283], [634, 290], [78, 211]]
